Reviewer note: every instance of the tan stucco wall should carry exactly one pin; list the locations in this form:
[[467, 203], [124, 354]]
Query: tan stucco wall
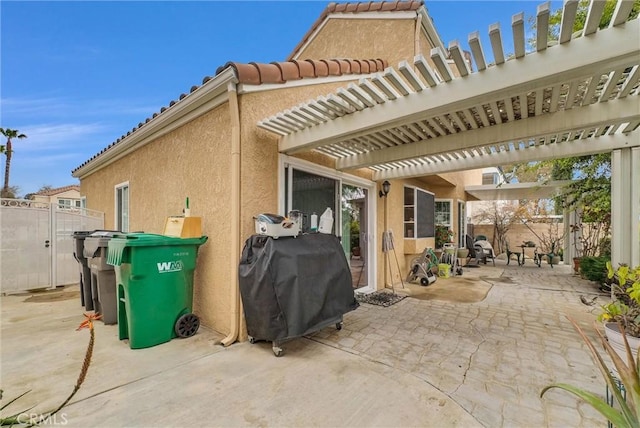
[[407, 249], [192, 161], [195, 160], [392, 40]]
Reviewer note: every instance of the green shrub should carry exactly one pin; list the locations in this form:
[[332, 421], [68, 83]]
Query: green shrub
[[594, 268]]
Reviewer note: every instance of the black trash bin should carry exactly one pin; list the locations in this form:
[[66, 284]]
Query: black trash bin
[[292, 287], [85, 273], [103, 276]]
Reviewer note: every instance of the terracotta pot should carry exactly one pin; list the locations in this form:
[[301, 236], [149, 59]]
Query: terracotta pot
[[576, 264]]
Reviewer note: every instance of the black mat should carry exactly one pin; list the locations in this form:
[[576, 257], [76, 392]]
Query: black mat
[[379, 298]]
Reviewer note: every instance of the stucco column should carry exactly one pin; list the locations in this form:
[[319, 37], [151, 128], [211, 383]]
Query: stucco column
[[621, 206]]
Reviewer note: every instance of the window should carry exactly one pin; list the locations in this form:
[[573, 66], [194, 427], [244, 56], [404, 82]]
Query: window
[[490, 178], [418, 213], [69, 203], [122, 207], [443, 213], [312, 194]]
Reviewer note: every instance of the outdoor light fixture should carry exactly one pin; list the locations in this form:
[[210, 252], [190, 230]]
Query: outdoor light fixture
[[385, 189]]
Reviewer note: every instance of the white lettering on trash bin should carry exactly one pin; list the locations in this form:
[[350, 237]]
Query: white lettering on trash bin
[[166, 267]]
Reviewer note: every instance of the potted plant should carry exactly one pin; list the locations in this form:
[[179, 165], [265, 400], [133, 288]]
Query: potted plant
[[624, 310], [444, 235], [621, 342]]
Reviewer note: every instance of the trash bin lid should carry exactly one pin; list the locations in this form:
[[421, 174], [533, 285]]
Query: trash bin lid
[[82, 234], [119, 242], [105, 233], [152, 239]]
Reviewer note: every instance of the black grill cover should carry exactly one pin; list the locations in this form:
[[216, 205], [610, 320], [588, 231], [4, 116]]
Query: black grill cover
[[291, 287]]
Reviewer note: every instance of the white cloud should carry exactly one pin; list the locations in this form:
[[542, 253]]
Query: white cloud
[[60, 107], [57, 136], [15, 106]]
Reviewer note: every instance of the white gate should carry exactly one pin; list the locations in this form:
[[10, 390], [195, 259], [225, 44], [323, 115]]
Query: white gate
[[37, 244]]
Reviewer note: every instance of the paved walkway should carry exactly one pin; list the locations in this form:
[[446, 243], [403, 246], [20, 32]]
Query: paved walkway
[[417, 363], [491, 357]]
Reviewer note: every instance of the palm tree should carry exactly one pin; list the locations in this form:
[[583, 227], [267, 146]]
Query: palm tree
[[8, 151]]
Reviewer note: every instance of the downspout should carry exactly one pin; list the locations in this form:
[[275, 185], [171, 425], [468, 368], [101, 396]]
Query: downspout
[[234, 113], [416, 36]]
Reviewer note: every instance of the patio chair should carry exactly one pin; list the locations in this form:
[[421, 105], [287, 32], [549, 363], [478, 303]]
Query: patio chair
[[539, 254], [472, 250], [484, 251], [512, 253]]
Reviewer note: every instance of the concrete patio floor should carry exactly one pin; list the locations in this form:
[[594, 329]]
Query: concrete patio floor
[[429, 363]]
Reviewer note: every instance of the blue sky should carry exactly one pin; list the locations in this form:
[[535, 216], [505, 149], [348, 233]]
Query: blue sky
[[75, 76]]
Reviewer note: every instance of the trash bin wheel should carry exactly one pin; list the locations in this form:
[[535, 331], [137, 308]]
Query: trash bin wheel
[[187, 325], [338, 326], [424, 281], [252, 340]]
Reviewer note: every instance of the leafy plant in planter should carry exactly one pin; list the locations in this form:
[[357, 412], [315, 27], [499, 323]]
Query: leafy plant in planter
[[625, 307], [444, 235]]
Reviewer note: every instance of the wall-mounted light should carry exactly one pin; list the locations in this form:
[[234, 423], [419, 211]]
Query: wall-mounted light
[[386, 186]]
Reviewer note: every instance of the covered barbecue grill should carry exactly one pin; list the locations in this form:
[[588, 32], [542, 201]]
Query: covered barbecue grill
[[292, 287]]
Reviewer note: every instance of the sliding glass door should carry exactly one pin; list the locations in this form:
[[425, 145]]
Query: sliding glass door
[[311, 190]]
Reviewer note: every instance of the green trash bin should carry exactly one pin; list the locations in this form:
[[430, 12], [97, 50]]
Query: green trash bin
[[154, 281]]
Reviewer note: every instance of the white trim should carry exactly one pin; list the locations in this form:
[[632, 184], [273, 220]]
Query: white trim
[[450, 212], [117, 187], [342, 178], [429, 29], [209, 96], [310, 81], [415, 214], [462, 229]]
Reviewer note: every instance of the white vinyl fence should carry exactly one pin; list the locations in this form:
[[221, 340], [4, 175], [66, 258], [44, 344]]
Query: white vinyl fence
[[37, 244]]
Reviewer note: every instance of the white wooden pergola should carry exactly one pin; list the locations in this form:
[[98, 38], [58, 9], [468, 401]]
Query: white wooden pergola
[[576, 97]]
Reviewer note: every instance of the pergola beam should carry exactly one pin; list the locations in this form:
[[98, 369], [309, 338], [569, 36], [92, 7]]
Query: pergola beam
[[587, 146], [610, 50], [619, 111]]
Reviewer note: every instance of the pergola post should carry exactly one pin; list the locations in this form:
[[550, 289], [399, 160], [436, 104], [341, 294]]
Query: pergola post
[[625, 206], [568, 253], [635, 205]]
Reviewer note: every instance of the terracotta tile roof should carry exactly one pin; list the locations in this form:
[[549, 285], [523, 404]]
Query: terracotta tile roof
[[58, 190], [276, 72], [280, 72], [357, 7]]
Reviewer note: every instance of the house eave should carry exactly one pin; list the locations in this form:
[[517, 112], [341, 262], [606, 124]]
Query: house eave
[[209, 96]]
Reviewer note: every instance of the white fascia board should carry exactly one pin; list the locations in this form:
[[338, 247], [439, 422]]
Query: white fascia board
[[429, 29], [244, 88], [209, 96], [607, 50], [347, 15], [605, 143], [517, 191], [614, 111]]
